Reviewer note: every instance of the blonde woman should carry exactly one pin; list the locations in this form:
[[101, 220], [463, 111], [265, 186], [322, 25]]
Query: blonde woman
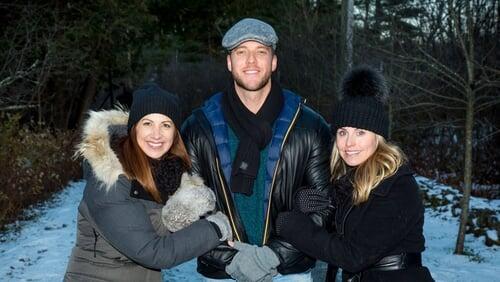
[[379, 216]]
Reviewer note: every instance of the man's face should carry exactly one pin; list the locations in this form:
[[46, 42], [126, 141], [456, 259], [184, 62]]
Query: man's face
[[251, 64]]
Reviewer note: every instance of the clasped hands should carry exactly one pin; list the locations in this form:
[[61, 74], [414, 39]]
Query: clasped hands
[[252, 263]]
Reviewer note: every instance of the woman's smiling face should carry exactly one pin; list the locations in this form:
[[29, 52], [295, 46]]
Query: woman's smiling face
[[355, 145], [155, 134]]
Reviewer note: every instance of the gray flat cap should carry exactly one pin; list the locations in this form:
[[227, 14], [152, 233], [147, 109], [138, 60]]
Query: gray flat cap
[[250, 30]]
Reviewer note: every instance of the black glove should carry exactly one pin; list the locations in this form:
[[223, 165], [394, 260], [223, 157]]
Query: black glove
[[282, 220], [287, 219], [311, 200]]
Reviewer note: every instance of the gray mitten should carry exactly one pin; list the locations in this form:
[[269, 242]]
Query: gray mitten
[[253, 263], [222, 222], [192, 200]]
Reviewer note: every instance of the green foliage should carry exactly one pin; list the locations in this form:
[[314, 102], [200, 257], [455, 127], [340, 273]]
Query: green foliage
[[199, 26], [33, 164], [397, 17], [48, 52], [104, 34]]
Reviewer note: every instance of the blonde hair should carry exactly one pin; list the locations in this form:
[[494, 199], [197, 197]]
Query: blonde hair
[[383, 163]]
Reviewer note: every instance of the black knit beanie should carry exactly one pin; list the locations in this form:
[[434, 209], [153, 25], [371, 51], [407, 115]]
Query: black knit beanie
[[364, 96], [149, 99]]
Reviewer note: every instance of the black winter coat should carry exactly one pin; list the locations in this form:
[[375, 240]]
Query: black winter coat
[[389, 223], [302, 158]]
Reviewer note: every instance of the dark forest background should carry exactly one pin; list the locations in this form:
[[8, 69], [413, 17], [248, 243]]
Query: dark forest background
[[58, 59]]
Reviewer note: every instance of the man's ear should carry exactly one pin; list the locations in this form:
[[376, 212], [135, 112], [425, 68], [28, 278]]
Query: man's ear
[[274, 63], [228, 61]]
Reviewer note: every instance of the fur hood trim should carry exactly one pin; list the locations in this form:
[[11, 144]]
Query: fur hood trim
[[96, 144]]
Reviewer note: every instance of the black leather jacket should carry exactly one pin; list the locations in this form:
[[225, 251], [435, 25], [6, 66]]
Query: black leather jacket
[[298, 156]]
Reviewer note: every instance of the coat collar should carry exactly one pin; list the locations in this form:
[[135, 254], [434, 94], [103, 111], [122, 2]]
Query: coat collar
[[213, 113], [137, 191], [95, 147], [385, 186]]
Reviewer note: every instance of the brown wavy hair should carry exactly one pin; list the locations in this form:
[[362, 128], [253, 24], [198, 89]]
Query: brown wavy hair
[[136, 164], [383, 163]]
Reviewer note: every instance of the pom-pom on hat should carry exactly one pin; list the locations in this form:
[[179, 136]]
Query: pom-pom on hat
[[150, 99], [364, 97]]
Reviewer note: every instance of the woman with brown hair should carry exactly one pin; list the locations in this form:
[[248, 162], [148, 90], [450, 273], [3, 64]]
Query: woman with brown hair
[[379, 216], [140, 210]]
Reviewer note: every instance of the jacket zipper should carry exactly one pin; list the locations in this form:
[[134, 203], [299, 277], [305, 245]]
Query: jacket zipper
[[95, 241], [266, 226], [345, 218], [227, 200]]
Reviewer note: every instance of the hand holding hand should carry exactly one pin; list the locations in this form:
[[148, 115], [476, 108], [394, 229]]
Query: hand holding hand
[[253, 263]]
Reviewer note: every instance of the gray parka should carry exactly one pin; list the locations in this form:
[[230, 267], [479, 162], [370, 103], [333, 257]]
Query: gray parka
[[119, 237]]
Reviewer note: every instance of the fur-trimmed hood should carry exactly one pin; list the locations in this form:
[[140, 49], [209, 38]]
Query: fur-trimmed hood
[[95, 146]]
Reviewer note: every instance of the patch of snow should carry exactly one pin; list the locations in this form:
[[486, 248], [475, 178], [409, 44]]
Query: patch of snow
[[449, 197], [492, 234], [40, 249], [440, 231]]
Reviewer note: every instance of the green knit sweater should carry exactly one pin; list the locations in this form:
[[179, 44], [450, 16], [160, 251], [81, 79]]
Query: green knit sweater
[[251, 208]]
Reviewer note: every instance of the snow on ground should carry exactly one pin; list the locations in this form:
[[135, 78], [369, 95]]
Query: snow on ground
[[39, 248], [441, 229]]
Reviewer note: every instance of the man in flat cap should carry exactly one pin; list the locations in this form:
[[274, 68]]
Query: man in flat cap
[[255, 144]]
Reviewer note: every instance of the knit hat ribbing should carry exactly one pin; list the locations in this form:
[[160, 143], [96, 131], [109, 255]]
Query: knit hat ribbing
[[364, 95], [149, 99]]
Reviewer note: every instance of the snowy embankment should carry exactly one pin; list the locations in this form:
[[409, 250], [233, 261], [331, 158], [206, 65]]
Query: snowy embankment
[[38, 249]]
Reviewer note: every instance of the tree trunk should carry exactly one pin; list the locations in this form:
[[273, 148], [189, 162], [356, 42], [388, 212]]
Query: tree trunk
[[347, 23], [39, 103], [88, 95], [378, 16], [349, 33], [110, 89], [366, 25], [468, 49], [464, 216]]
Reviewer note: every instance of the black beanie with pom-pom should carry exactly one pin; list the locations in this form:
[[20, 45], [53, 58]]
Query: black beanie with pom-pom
[[364, 97]]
